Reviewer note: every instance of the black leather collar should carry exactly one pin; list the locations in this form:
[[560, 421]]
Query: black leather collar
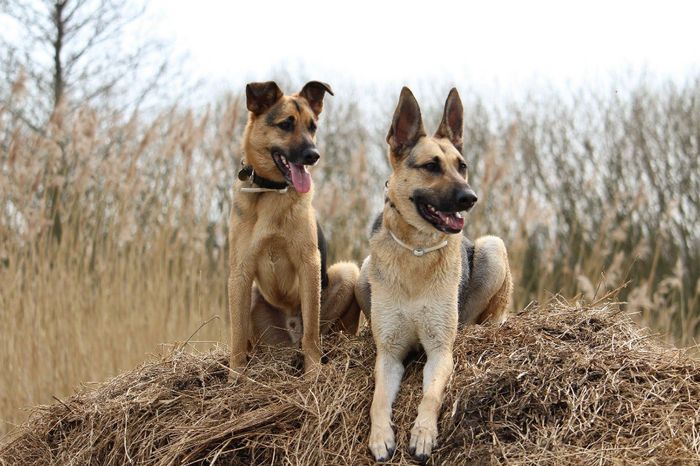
[[247, 172]]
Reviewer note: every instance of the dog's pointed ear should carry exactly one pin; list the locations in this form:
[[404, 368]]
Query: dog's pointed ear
[[261, 96], [313, 92], [452, 124], [407, 124]]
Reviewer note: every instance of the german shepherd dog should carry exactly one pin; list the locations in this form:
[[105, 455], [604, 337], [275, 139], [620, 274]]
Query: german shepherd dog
[[423, 277], [279, 289]]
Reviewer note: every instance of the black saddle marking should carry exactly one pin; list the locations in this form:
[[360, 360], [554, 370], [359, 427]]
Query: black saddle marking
[[323, 249], [467, 250]]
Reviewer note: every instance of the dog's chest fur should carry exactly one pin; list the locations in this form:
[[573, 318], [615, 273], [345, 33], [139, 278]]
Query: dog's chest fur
[[414, 299], [277, 232]]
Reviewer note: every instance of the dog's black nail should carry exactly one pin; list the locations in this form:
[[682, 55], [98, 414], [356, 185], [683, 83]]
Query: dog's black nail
[[389, 454], [422, 458]]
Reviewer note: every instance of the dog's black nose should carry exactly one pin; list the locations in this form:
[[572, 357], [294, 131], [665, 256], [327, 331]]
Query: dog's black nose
[[466, 199], [310, 156]]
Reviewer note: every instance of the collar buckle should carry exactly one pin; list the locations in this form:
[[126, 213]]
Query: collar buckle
[[246, 172]]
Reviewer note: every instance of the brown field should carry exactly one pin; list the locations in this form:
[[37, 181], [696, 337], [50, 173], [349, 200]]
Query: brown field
[[113, 227]]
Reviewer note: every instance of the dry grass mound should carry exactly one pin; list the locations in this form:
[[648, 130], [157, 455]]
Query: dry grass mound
[[554, 384]]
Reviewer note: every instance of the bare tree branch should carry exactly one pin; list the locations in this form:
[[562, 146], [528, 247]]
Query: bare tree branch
[[71, 52]]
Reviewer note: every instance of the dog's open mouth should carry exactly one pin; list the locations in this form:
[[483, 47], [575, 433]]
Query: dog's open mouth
[[449, 222], [294, 173]]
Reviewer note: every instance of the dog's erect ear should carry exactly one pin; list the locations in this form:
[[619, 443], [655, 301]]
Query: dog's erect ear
[[407, 124], [452, 124], [313, 92], [261, 96]]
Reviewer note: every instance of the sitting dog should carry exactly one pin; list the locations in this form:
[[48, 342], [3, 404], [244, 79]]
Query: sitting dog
[[423, 277], [279, 289]]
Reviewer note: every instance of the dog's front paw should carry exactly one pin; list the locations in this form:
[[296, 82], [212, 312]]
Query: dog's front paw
[[423, 439], [233, 377], [236, 365], [234, 374], [312, 365], [381, 442]]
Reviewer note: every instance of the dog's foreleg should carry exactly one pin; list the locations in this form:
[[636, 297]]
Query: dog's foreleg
[[240, 285], [388, 371], [436, 373], [310, 287]]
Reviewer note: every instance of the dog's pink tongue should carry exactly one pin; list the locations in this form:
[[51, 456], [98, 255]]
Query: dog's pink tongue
[[300, 178], [452, 221]]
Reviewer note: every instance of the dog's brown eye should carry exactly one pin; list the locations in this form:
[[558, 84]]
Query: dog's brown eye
[[312, 127], [462, 167], [286, 125], [432, 167]]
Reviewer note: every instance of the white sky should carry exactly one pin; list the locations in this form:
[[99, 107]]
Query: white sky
[[507, 44]]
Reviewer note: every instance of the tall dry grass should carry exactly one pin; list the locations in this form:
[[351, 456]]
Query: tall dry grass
[[113, 228]]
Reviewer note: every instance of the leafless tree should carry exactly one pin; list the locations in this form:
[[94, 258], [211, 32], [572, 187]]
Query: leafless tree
[[77, 52], [65, 55]]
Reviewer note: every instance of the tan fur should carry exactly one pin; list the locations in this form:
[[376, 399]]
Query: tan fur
[[274, 284], [498, 307], [339, 311], [490, 285], [414, 300]]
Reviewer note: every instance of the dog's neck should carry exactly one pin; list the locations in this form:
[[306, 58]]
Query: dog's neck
[[407, 233]]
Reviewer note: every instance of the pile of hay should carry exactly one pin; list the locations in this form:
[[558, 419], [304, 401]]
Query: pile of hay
[[554, 384]]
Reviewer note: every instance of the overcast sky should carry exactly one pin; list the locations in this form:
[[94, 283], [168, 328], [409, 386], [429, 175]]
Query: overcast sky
[[508, 44]]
